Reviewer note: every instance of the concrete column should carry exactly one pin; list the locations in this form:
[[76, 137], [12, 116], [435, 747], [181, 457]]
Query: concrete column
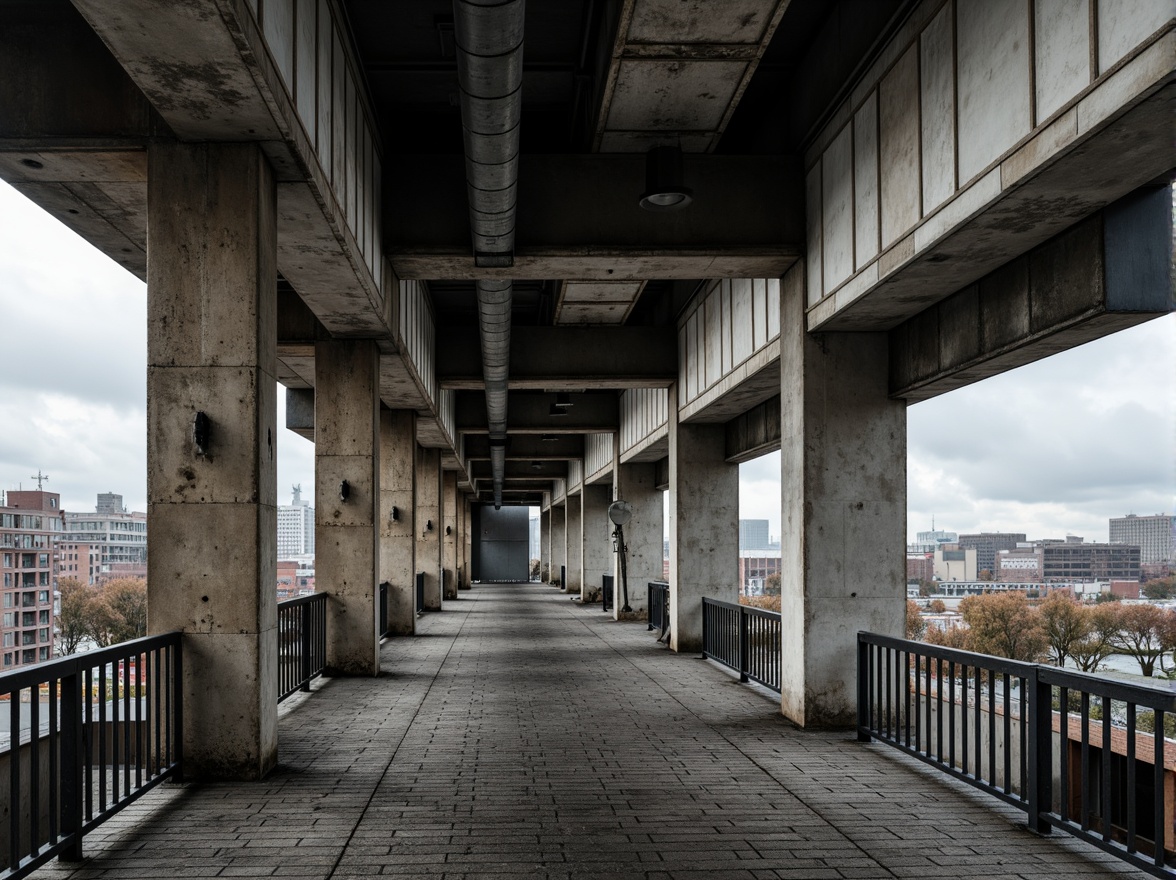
[[467, 541], [843, 488], [428, 511], [347, 549], [704, 526], [598, 553], [398, 517], [559, 546], [463, 512], [212, 548], [545, 545], [448, 526], [574, 518], [637, 484]]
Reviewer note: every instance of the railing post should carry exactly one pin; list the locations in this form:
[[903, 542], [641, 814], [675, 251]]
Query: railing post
[[304, 623], [744, 645], [1039, 699], [863, 689], [73, 758], [648, 607]]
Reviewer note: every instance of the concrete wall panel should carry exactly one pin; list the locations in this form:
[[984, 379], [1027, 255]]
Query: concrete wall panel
[[837, 214], [937, 110], [993, 70], [1124, 24], [898, 128], [865, 185], [1061, 43], [812, 212], [306, 64], [277, 26]]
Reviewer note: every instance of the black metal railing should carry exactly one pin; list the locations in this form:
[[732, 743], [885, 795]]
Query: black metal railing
[[420, 592], [1089, 755], [382, 621], [87, 735], [658, 603], [302, 642], [563, 577], [606, 592], [745, 639]]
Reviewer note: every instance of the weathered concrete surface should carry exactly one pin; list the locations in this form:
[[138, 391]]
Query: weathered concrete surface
[[1111, 271], [637, 484], [571, 358], [593, 229], [595, 528], [704, 526], [448, 526], [300, 412], [398, 536], [346, 531], [574, 522], [428, 524], [545, 545], [212, 548], [843, 503], [529, 412], [559, 541]]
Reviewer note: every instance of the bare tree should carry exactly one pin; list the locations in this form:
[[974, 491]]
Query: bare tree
[[1066, 623], [1145, 632], [73, 621], [1006, 625]]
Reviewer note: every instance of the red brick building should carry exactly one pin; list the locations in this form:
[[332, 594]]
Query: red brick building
[[29, 524]]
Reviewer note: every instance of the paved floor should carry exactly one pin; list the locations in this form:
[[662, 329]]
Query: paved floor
[[521, 735]]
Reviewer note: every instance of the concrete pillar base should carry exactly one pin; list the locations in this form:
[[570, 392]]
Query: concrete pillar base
[[843, 488]]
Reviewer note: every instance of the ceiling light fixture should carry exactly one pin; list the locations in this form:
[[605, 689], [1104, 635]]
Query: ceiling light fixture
[[557, 410], [664, 186], [548, 438], [563, 400]]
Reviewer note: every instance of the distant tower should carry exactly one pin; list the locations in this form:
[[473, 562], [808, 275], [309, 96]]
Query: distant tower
[[297, 489]]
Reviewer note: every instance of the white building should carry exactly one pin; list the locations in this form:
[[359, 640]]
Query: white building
[[295, 528], [119, 535], [1155, 536]]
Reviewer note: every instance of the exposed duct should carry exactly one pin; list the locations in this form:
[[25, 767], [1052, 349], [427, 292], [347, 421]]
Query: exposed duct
[[489, 40]]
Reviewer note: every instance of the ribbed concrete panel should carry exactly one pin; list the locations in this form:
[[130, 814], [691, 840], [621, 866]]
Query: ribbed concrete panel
[[980, 130]]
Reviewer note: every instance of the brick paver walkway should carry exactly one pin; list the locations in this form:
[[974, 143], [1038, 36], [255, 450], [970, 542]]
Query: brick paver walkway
[[521, 735]]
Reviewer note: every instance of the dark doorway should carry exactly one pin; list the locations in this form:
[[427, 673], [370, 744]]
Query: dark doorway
[[502, 544]]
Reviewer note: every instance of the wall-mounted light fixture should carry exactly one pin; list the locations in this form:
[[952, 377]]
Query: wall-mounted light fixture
[[563, 400], [344, 490], [201, 433], [448, 530], [395, 514], [428, 525], [664, 186], [548, 438]]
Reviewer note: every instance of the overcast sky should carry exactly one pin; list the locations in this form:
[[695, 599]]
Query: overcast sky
[[1053, 448]]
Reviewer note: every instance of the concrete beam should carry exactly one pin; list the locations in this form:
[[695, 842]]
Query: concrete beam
[[578, 218], [754, 433], [525, 471], [552, 358], [1111, 271], [300, 412], [527, 447], [47, 51], [529, 413]]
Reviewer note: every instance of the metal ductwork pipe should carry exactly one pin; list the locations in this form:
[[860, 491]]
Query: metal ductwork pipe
[[489, 38]]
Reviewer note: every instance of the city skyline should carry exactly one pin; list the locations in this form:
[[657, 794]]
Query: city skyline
[[1056, 447]]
